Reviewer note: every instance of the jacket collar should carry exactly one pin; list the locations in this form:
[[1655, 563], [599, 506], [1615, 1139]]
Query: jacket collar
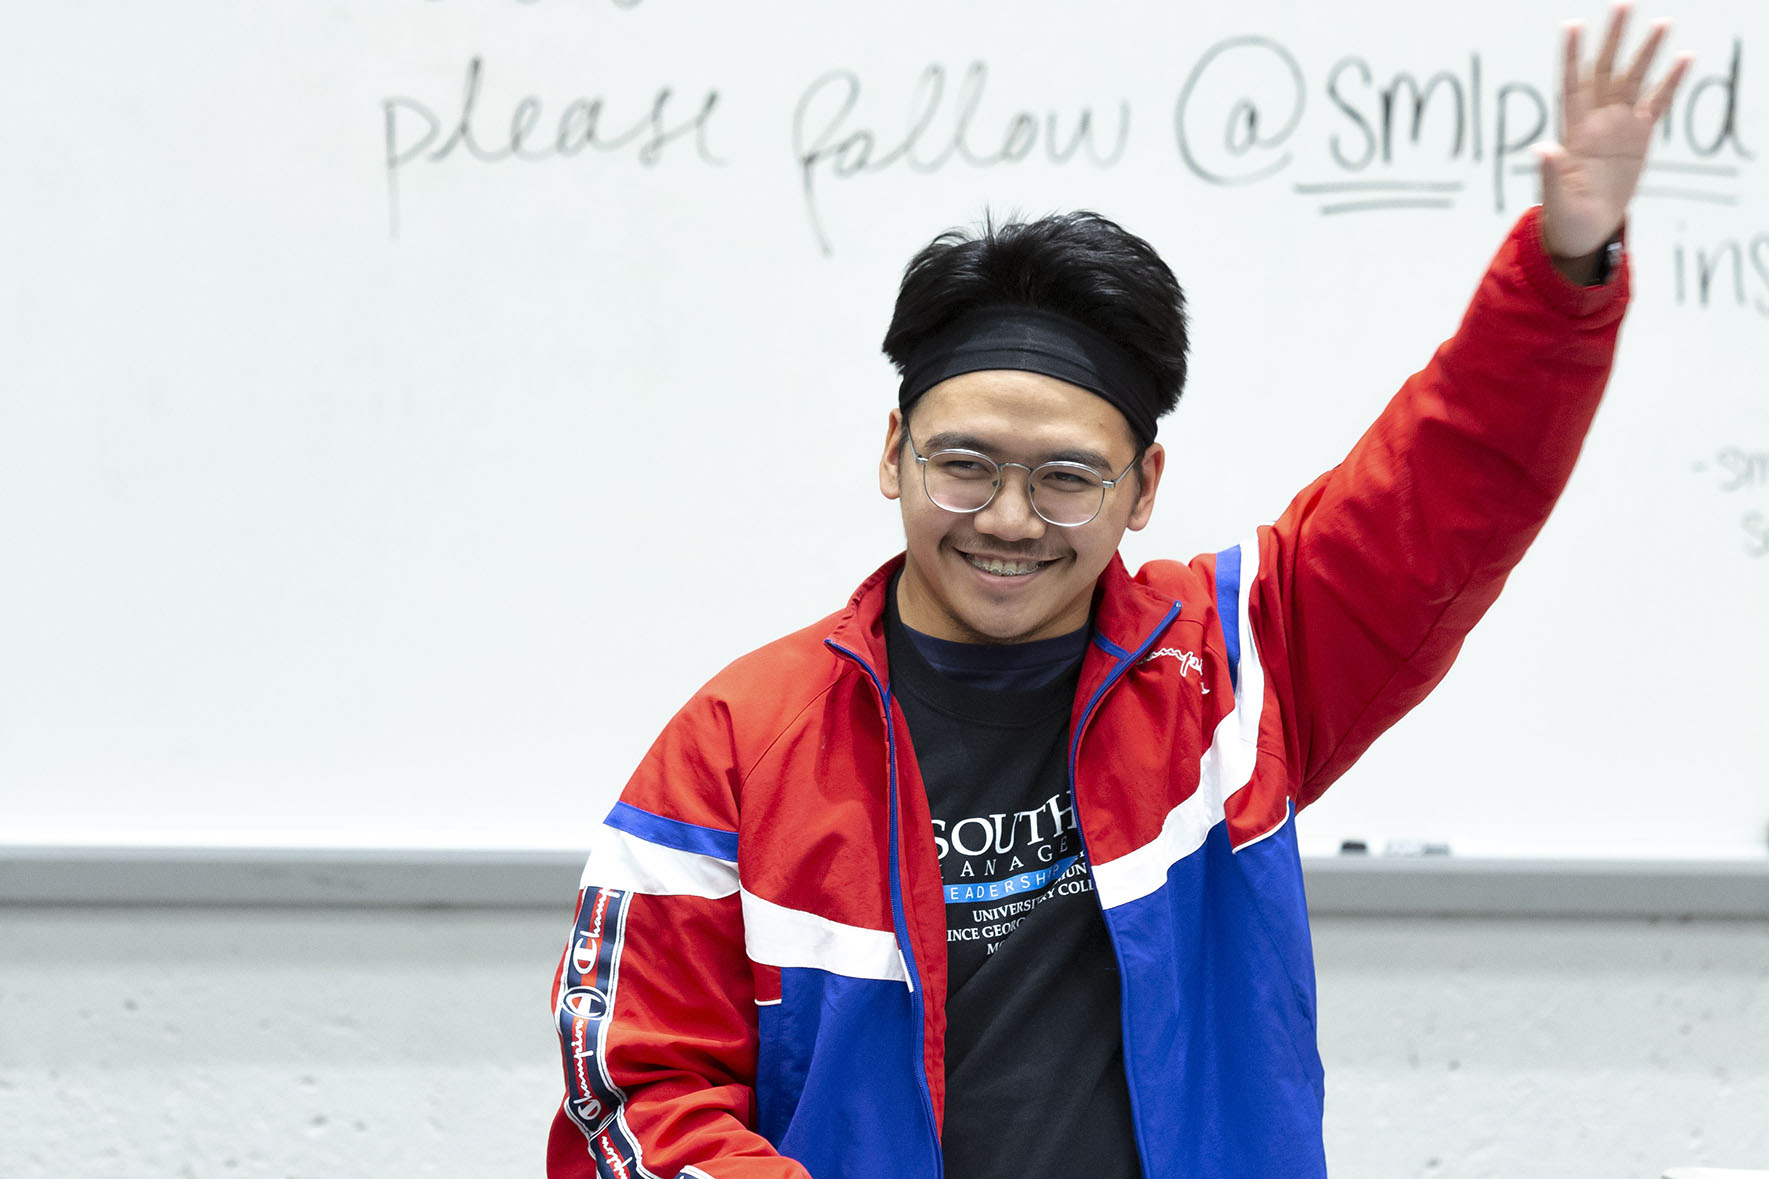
[[1125, 610]]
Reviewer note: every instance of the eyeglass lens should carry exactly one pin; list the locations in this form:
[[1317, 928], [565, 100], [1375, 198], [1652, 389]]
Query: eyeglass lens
[[1063, 493]]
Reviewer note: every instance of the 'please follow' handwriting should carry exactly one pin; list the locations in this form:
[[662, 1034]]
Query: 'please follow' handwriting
[[1362, 135]]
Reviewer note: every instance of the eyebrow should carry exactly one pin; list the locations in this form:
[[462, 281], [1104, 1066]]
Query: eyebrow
[[952, 440]]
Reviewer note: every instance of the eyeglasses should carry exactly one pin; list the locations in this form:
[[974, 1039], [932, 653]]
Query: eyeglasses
[[1062, 493]]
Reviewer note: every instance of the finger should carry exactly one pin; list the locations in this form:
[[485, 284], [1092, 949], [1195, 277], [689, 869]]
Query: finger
[[1667, 89], [1635, 82], [1550, 156], [1572, 94], [1612, 42]]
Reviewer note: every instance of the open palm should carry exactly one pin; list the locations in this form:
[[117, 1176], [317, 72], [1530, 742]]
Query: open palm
[[1589, 178]]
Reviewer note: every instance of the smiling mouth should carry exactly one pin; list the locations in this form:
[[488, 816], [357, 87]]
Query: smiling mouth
[[1001, 568]]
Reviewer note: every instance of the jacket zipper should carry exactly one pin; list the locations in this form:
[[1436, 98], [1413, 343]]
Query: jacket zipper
[[1112, 677], [899, 916]]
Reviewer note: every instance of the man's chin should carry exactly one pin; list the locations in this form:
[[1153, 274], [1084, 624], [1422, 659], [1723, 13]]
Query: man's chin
[[1004, 627]]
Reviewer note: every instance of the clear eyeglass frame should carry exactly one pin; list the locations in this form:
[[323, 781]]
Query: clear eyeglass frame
[[1091, 485]]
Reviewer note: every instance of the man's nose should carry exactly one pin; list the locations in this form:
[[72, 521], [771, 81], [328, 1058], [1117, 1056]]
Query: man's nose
[[1010, 515]]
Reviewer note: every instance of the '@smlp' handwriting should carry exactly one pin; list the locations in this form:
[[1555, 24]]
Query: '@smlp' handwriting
[[533, 134], [1245, 109], [829, 141]]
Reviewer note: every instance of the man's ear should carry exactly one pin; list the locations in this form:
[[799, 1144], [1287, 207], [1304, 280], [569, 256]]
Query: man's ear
[[1154, 461], [890, 473]]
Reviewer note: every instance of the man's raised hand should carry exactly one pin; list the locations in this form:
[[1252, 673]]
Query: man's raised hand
[[1607, 120]]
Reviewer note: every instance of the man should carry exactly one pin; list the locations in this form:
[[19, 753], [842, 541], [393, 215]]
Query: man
[[994, 872]]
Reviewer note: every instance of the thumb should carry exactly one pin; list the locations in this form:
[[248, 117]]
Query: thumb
[[1562, 214], [1552, 158]]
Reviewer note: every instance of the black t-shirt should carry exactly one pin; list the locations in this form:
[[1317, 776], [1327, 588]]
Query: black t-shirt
[[1034, 1046]]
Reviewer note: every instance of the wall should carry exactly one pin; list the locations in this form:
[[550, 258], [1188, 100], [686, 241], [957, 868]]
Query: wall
[[332, 1042]]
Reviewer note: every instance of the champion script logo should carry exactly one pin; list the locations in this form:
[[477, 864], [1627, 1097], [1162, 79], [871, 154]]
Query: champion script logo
[[616, 1162], [1188, 663]]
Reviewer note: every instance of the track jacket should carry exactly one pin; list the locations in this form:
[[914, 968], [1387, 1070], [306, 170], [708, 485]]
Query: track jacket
[[755, 983]]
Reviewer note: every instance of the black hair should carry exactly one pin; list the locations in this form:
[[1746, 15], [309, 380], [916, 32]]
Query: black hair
[[1076, 264]]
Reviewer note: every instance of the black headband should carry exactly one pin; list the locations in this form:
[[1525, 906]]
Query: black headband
[[1035, 341]]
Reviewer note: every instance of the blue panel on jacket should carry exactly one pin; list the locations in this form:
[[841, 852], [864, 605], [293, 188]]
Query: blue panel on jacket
[[1220, 1015], [838, 1077]]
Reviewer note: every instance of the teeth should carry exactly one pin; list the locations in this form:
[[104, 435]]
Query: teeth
[[1004, 568]]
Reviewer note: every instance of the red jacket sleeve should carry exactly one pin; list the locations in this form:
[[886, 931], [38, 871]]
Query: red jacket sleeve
[[654, 998], [1371, 579]]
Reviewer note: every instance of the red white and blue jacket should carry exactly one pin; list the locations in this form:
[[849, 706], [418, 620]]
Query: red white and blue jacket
[[755, 983]]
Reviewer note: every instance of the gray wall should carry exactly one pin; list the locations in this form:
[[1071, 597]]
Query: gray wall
[[236, 1041]]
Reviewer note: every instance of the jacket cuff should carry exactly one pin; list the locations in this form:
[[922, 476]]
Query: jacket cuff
[[1561, 293]]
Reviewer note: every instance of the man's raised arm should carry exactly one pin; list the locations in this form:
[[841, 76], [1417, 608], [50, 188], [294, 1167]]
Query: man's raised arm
[[1372, 578]]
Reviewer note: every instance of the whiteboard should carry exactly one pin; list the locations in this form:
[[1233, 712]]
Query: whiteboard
[[405, 404]]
